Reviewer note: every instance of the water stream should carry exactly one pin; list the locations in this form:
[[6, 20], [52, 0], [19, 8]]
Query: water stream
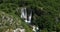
[[27, 17]]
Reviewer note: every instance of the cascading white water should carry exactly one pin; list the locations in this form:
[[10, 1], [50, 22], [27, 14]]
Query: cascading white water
[[35, 28], [27, 18], [24, 15]]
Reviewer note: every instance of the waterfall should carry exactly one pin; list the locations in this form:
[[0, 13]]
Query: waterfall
[[24, 15], [27, 17]]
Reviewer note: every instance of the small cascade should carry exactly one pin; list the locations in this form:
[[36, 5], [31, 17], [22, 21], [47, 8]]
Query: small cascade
[[24, 13], [35, 28], [27, 18]]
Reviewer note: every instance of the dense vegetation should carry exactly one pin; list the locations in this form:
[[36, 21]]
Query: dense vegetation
[[46, 16]]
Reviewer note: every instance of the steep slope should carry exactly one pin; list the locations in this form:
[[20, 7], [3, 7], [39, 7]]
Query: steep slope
[[8, 21]]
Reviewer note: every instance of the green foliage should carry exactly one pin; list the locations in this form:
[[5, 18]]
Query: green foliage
[[47, 18]]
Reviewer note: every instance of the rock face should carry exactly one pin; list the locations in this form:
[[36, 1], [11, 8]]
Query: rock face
[[8, 22], [16, 30], [8, 19], [19, 30]]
